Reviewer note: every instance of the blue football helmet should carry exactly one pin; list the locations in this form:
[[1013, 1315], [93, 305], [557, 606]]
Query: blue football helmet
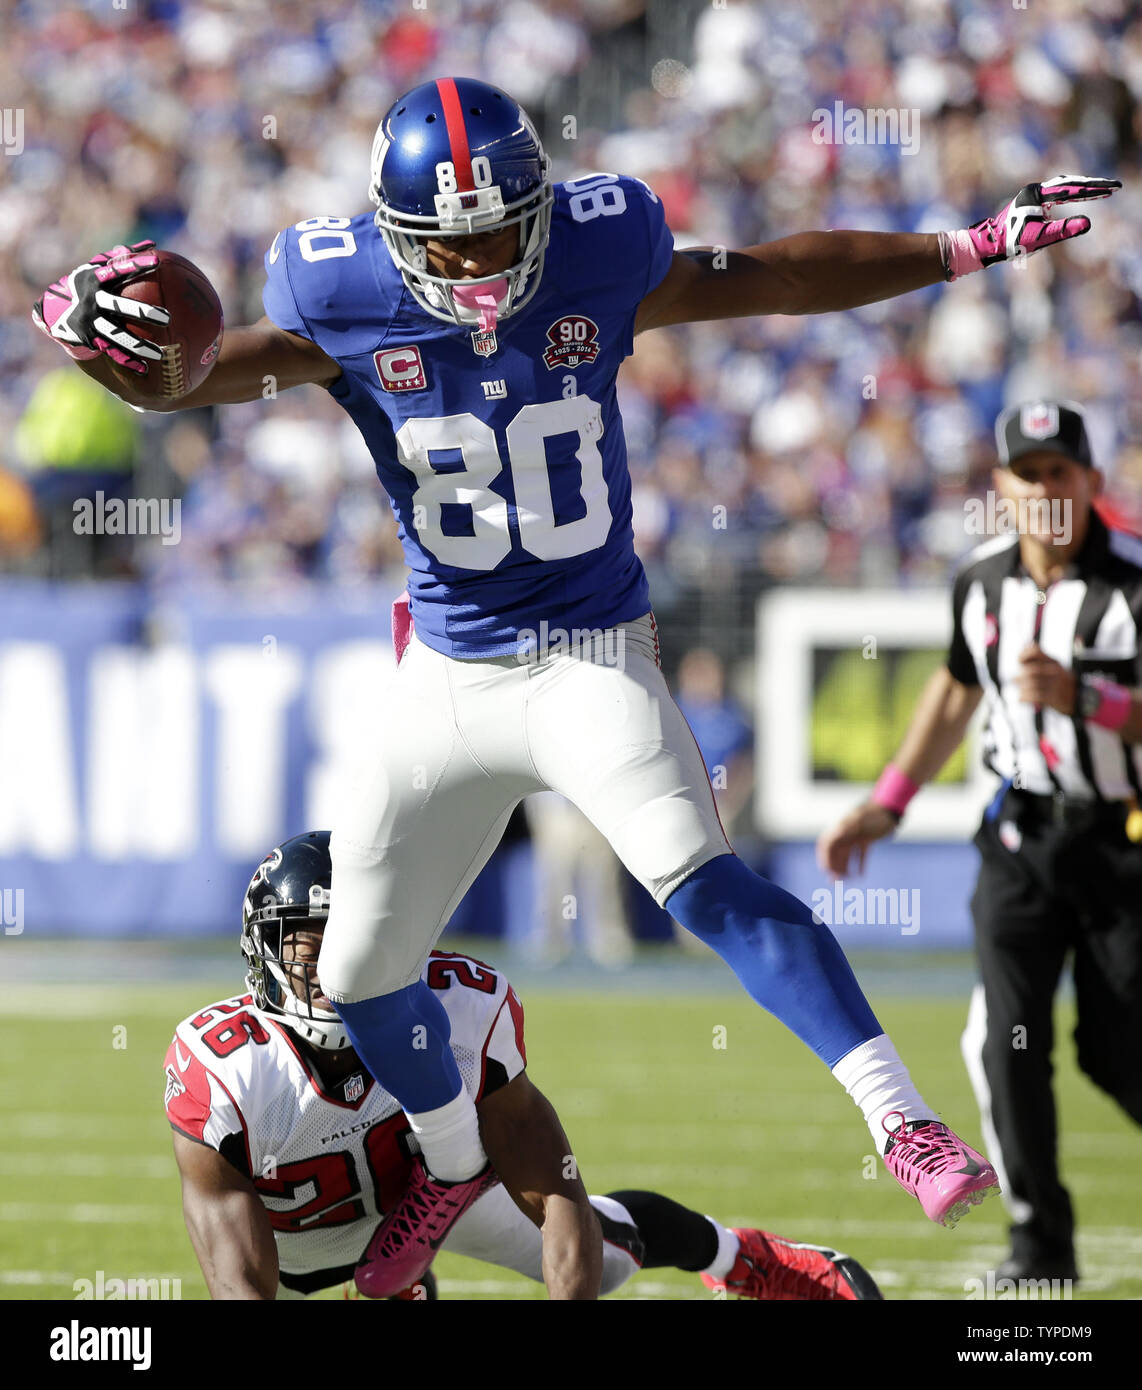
[[454, 158]]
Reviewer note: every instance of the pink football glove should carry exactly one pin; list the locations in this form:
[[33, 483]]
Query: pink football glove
[[1022, 227], [86, 319]]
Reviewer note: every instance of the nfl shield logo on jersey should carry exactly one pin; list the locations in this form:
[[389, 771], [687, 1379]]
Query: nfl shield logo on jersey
[[484, 342], [355, 1087], [1040, 421]]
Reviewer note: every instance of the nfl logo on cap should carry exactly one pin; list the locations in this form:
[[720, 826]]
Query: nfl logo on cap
[[1055, 427], [1039, 421]]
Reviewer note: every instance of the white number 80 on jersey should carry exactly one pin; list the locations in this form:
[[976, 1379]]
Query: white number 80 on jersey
[[490, 541]]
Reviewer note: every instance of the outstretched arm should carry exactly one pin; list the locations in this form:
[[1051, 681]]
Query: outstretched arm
[[810, 273], [526, 1145], [98, 328], [249, 361], [815, 272]]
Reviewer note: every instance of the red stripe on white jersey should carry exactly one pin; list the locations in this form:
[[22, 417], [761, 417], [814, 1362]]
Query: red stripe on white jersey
[[515, 1007], [188, 1109], [457, 135]]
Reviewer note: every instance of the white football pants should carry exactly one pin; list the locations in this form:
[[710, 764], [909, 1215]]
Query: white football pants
[[495, 1231], [464, 742]]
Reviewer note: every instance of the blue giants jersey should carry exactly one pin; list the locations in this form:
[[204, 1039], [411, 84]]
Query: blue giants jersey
[[506, 470]]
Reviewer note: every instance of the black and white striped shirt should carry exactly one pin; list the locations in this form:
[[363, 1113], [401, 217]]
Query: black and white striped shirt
[[1089, 621]]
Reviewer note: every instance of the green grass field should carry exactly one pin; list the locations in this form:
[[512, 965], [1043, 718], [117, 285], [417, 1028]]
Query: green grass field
[[755, 1133]]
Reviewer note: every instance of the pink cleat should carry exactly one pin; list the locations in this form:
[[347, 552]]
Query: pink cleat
[[947, 1177], [405, 1243]]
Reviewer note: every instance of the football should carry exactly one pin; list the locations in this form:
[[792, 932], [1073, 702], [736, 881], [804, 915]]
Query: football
[[190, 341]]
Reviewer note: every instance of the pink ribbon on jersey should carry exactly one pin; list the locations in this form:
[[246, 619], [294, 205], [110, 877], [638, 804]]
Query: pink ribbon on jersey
[[402, 625], [485, 298]]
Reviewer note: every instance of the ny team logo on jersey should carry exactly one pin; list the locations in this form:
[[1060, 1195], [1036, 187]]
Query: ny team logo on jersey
[[400, 369], [573, 339]]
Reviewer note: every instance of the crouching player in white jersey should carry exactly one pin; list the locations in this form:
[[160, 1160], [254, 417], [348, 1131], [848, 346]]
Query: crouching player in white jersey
[[473, 328], [290, 1153]]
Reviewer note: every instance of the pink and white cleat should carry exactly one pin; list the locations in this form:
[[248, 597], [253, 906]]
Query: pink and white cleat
[[942, 1172], [405, 1243]]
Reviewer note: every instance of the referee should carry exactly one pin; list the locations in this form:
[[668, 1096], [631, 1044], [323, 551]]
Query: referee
[[1046, 626]]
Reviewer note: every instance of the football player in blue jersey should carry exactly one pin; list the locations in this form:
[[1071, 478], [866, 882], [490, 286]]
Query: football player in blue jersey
[[475, 342]]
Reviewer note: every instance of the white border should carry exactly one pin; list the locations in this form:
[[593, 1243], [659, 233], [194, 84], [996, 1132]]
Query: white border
[[791, 623]]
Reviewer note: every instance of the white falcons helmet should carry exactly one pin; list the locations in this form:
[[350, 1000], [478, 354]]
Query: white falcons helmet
[[454, 158], [289, 891]]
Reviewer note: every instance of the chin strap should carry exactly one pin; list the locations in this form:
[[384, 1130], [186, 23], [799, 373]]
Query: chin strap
[[312, 1032]]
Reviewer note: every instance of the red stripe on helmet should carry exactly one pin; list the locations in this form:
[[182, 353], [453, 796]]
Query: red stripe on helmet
[[457, 135]]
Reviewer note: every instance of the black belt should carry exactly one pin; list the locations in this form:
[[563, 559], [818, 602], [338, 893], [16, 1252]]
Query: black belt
[[1068, 812]]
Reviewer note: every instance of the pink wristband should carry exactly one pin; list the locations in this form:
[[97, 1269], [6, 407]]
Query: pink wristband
[[1114, 707], [961, 254], [894, 791], [81, 354]]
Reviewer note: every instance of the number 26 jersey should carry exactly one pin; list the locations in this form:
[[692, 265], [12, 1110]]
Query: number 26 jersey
[[327, 1161], [502, 454]]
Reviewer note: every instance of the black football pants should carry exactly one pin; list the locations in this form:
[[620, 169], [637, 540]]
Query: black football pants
[[1048, 888]]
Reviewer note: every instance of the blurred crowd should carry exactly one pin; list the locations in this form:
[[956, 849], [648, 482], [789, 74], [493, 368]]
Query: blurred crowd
[[834, 449]]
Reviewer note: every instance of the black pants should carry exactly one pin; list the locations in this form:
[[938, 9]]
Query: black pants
[[1047, 889]]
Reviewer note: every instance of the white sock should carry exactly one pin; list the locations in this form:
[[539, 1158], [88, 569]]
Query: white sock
[[449, 1139], [728, 1246], [879, 1083]]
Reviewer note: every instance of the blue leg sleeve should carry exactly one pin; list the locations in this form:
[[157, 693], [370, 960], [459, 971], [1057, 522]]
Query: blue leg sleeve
[[403, 1039], [789, 963]]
